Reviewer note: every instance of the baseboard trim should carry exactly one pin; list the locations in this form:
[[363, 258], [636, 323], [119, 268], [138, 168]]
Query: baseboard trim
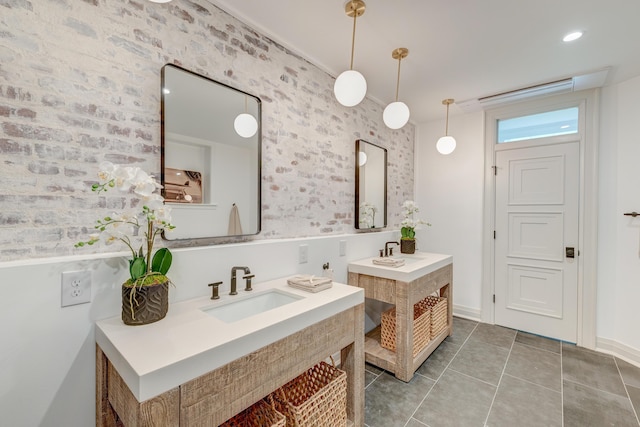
[[624, 352], [467, 312]]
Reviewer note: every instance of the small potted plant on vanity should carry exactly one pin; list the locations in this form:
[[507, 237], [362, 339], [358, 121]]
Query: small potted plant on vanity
[[145, 295], [408, 227]]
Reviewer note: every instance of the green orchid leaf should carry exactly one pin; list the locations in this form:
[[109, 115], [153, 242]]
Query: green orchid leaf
[[161, 261], [137, 268]]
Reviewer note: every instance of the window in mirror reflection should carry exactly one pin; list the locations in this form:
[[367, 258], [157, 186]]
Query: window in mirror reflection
[[211, 144], [371, 186]]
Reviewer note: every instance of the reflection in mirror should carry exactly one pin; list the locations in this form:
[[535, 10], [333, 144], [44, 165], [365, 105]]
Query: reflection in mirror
[[210, 156], [371, 185]]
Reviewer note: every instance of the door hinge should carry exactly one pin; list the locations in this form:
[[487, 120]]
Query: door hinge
[[494, 234], [495, 170], [494, 298]]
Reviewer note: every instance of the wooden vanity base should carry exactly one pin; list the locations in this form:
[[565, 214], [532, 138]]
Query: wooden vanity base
[[404, 295], [216, 396]]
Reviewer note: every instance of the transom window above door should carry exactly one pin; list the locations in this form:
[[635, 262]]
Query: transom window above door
[[540, 125]]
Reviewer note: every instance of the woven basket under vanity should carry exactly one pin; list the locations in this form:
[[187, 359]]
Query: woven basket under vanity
[[260, 414], [421, 327], [316, 398], [439, 315]]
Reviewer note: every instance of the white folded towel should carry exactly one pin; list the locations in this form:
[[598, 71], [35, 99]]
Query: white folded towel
[[389, 261], [313, 289], [308, 281]]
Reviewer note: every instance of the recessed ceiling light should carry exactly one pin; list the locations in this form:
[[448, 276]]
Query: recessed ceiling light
[[572, 36]]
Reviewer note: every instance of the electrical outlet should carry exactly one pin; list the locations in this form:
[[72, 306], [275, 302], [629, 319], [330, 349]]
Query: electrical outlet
[[303, 254], [343, 247], [76, 287]]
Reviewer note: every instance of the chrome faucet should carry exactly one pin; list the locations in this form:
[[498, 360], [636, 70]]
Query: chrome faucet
[[233, 278], [387, 250]]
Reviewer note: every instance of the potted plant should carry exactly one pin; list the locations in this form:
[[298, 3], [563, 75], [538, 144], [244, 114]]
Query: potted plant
[[145, 295], [408, 227]]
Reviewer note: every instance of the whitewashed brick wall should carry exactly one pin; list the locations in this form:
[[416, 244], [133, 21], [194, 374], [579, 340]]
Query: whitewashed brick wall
[[80, 83]]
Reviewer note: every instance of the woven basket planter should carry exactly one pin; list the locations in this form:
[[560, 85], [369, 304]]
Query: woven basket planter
[[142, 305], [260, 414], [421, 327], [316, 398]]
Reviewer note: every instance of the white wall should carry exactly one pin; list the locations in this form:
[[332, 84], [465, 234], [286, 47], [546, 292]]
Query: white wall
[[618, 235], [449, 190], [48, 352]]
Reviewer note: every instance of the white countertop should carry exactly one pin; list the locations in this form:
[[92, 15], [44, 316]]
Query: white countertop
[[188, 342], [416, 265]]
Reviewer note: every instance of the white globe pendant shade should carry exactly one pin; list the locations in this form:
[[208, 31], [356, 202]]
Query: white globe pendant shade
[[245, 125], [350, 88], [396, 115], [160, 1], [446, 145]]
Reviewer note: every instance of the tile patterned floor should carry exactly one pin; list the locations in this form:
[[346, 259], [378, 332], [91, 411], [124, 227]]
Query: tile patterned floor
[[485, 375]]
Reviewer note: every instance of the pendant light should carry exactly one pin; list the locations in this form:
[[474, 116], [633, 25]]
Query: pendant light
[[397, 113], [446, 144], [245, 124], [350, 86]]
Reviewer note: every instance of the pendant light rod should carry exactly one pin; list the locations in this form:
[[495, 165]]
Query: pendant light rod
[[447, 102], [354, 8], [399, 54]]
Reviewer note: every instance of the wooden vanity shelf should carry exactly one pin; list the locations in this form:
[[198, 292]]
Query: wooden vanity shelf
[[404, 295], [217, 396]]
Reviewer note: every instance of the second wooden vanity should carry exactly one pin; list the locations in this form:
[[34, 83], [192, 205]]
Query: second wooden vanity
[[423, 275]]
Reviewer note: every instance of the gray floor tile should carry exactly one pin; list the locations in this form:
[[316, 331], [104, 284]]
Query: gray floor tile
[[369, 378], [538, 342], [590, 368], [390, 402], [438, 360], [373, 369], [585, 406], [462, 328], [634, 394], [630, 373], [481, 360], [525, 404], [415, 423], [493, 334], [456, 400], [534, 365]]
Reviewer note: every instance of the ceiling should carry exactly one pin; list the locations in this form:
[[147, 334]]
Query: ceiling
[[461, 49]]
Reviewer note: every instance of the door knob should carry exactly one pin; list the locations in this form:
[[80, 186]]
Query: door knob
[[569, 252]]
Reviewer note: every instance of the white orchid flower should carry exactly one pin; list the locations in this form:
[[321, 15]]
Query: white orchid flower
[[107, 171]]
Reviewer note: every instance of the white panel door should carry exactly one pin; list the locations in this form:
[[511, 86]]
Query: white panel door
[[536, 283]]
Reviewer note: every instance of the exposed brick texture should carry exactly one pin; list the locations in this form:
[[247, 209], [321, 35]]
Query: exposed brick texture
[[80, 83]]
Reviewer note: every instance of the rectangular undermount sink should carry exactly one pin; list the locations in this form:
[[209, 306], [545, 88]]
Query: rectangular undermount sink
[[246, 306]]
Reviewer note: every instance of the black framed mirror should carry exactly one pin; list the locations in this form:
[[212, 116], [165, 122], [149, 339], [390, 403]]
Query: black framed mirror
[[371, 186], [211, 156]]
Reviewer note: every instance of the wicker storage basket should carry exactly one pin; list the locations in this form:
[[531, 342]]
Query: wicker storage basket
[[439, 313], [316, 398], [260, 414], [421, 327]]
